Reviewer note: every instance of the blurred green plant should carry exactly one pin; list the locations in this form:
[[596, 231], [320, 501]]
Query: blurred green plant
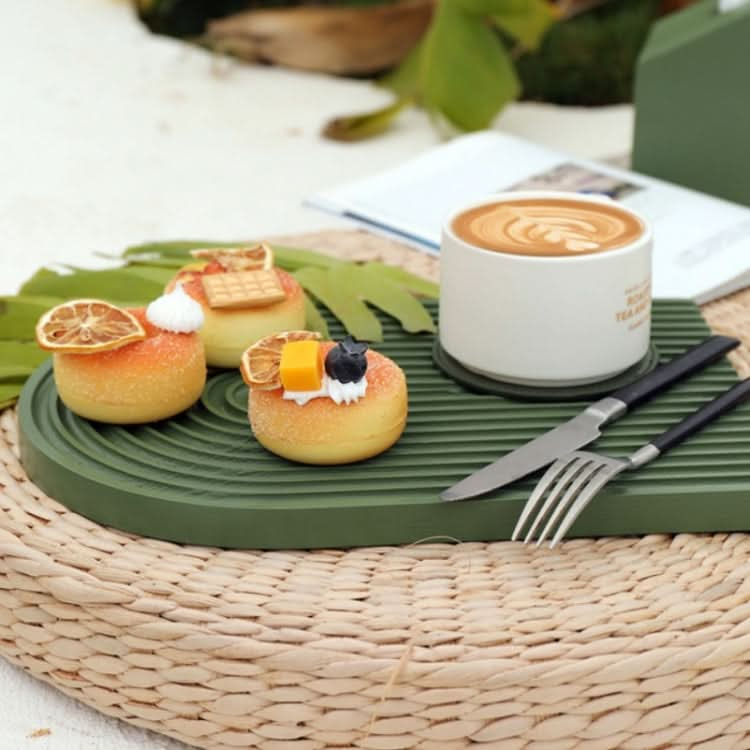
[[461, 71], [475, 56], [589, 58]]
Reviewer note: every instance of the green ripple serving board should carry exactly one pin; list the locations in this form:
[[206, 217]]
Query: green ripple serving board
[[201, 478]]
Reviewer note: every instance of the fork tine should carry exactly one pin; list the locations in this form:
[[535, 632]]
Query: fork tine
[[583, 500], [571, 494], [572, 466], [536, 495]]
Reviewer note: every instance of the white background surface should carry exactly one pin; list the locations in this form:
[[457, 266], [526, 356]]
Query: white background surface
[[110, 136]]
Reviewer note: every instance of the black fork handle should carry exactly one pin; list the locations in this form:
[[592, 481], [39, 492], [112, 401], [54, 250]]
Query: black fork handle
[[707, 413], [680, 367]]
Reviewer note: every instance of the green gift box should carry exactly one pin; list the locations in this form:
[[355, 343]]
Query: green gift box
[[692, 100]]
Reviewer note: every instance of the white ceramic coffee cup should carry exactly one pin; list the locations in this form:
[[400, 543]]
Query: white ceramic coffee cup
[[545, 320]]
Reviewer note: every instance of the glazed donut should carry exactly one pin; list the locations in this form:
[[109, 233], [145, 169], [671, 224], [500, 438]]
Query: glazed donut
[[144, 381], [323, 432], [226, 333]]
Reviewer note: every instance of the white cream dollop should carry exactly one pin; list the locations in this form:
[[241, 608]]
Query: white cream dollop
[[302, 397], [346, 392], [338, 392], [176, 311]]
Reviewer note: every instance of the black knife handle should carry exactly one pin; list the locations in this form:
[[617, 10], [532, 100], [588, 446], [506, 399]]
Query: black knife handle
[[698, 420], [686, 364]]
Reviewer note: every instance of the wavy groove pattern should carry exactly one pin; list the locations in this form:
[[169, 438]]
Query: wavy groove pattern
[[201, 478]]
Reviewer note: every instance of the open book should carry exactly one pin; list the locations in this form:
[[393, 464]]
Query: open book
[[701, 243]]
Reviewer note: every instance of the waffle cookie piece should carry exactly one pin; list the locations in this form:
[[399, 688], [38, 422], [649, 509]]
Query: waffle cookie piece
[[243, 298], [243, 289]]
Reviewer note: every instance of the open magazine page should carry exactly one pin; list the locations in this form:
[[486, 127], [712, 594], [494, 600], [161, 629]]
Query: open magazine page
[[702, 243]]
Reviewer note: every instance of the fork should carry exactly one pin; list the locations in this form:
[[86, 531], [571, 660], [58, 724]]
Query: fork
[[574, 479]]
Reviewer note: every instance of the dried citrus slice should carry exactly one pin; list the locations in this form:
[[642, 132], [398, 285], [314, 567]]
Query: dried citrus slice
[[196, 267], [85, 326], [260, 363], [238, 258]]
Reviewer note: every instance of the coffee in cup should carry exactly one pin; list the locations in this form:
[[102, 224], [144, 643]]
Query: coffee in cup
[[545, 288], [548, 227]]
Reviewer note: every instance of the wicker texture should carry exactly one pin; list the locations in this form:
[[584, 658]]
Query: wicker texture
[[610, 643]]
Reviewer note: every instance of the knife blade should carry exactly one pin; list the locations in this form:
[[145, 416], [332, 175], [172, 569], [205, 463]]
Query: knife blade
[[585, 427]]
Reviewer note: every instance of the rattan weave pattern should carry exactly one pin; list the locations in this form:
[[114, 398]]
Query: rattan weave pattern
[[614, 643]]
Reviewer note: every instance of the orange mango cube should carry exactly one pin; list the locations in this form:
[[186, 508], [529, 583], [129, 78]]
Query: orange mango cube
[[301, 367]]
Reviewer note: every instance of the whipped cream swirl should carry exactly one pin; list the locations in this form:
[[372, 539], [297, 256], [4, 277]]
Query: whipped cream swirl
[[339, 393], [175, 311]]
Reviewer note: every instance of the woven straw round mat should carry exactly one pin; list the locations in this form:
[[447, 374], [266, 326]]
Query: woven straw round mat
[[629, 643]]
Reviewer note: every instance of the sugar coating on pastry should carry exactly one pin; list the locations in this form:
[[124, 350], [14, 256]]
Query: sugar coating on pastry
[[227, 332], [140, 382], [323, 432]]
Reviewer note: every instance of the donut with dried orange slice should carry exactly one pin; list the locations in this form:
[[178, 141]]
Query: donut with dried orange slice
[[243, 298], [320, 402], [115, 365]]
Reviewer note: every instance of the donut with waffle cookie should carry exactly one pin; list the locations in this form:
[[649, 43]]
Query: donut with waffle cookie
[[243, 296]]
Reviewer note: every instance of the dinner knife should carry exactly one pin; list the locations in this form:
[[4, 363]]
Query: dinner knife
[[586, 426]]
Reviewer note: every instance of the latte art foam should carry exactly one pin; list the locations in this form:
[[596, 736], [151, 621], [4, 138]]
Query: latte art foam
[[548, 227]]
